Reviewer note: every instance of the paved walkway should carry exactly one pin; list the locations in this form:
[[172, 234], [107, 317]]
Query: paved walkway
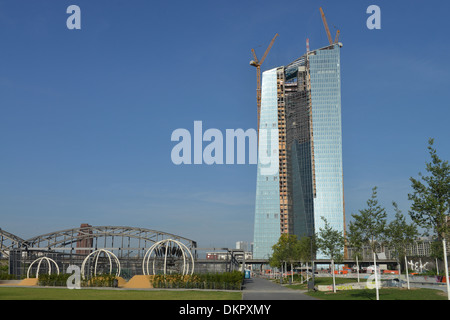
[[262, 289]]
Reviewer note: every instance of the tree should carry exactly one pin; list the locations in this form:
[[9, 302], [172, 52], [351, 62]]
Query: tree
[[285, 250], [331, 242], [355, 241], [368, 226], [399, 234], [306, 249], [431, 196]]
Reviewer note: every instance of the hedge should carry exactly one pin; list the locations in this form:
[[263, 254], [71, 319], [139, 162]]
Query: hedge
[[223, 281]]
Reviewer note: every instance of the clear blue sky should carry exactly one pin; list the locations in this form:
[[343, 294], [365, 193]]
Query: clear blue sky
[[86, 115]]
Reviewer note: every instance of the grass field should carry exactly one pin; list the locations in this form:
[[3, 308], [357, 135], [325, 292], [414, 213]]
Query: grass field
[[385, 294], [14, 293], [366, 294], [27, 293], [322, 281]]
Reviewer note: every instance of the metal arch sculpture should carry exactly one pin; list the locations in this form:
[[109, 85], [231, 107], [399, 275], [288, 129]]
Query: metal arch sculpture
[[161, 253], [49, 262], [96, 255]]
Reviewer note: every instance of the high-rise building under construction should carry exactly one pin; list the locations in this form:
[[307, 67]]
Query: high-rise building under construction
[[300, 172]]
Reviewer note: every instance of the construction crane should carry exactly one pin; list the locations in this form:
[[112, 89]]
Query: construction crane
[[257, 63], [336, 39]]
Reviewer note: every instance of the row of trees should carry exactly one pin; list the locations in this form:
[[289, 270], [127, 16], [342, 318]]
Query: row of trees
[[369, 228]]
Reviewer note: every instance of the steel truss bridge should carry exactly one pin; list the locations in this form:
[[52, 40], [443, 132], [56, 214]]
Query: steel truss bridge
[[125, 241], [129, 245]]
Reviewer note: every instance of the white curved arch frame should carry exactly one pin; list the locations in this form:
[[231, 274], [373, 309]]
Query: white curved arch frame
[[49, 262], [184, 249], [145, 265], [97, 253]]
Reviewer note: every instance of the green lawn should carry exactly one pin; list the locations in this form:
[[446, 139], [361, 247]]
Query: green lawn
[[14, 293], [18, 293], [367, 294], [323, 281], [385, 294]]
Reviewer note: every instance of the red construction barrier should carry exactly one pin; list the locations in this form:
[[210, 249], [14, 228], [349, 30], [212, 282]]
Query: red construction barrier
[[390, 271]]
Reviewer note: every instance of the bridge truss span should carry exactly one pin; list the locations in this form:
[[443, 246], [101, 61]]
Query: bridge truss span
[[125, 241]]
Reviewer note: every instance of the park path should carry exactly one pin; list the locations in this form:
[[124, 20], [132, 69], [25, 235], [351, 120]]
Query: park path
[[262, 289]]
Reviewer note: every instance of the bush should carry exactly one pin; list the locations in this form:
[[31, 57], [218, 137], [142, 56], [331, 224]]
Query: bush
[[101, 280], [53, 280], [60, 280], [224, 281], [4, 275], [7, 276]]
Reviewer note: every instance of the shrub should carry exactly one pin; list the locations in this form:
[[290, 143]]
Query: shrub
[[225, 281], [7, 276], [100, 280], [60, 280], [53, 280], [4, 275]]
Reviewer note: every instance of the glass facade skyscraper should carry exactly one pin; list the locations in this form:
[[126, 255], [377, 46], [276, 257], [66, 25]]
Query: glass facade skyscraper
[[300, 134], [267, 209]]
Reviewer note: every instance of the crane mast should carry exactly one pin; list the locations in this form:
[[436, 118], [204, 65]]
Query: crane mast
[[325, 24], [257, 63]]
